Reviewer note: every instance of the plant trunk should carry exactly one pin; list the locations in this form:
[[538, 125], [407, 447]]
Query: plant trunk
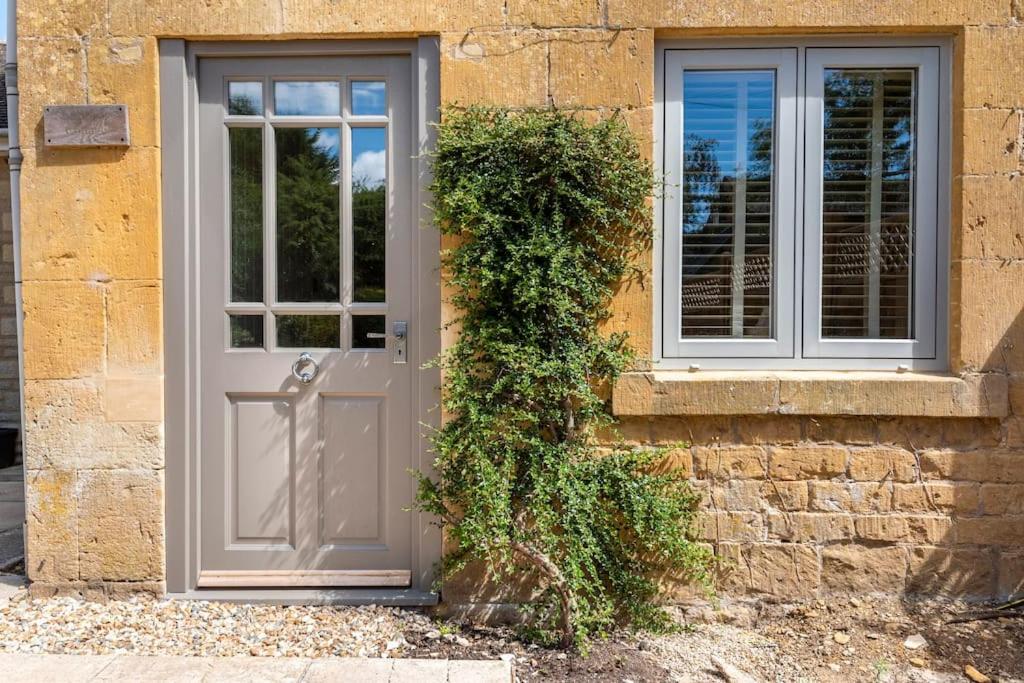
[[551, 571]]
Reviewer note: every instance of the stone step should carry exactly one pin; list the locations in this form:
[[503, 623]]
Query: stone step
[[12, 491], [16, 473]]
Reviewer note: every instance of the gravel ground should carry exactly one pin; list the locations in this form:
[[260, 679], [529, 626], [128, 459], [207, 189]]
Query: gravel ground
[[829, 641]]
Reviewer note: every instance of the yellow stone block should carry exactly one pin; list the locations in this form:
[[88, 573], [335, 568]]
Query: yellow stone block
[[136, 399], [121, 520], [993, 69], [598, 68], [554, 12], [67, 425], [991, 331], [991, 141], [193, 19], [507, 68], [51, 516], [59, 18], [64, 330], [339, 17], [124, 71], [806, 13], [134, 331], [50, 71], [992, 227], [95, 216]]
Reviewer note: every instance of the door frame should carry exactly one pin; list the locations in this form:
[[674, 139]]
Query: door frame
[[179, 99]]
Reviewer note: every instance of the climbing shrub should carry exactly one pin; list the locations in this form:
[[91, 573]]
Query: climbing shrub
[[548, 212]]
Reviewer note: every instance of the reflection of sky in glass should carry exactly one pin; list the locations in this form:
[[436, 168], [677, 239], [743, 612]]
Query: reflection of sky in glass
[[328, 141], [368, 98], [712, 106], [245, 98], [368, 156], [307, 98]]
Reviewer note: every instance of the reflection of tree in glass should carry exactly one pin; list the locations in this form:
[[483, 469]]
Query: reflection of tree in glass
[[368, 207], [246, 214], [242, 105], [308, 227], [308, 331]]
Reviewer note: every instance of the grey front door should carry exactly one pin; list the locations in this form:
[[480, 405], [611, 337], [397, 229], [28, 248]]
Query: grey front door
[[304, 257]]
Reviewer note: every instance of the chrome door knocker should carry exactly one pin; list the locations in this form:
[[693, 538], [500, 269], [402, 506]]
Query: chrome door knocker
[[305, 361]]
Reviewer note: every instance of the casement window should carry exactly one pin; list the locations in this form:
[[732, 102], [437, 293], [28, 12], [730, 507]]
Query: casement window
[[804, 221]]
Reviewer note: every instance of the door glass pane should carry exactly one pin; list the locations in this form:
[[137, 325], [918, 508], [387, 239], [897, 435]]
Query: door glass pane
[[369, 197], [728, 170], [307, 98], [246, 160], [245, 98], [308, 223], [309, 331], [246, 331], [867, 199], [369, 98], [365, 325]]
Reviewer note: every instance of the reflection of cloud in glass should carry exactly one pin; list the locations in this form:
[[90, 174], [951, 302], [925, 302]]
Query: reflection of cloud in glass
[[245, 98], [307, 98], [369, 158], [368, 98], [326, 140]]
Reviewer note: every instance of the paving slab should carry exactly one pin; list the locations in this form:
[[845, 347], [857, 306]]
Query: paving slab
[[12, 514], [12, 546], [33, 668], [26, 668]]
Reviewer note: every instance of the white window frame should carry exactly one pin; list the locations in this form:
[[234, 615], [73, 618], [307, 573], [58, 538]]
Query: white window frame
[[783, 62], [797, 310]]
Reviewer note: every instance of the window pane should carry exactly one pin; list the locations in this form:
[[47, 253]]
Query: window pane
[[245, 98], [246, 213], [369, 160], [369, 98], [728, 129], [309, 331], [246, 331], [867, 222], [307, 98], [364, 325], [308, 224]]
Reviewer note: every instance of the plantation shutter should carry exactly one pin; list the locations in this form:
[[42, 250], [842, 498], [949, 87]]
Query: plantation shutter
[[726, 243], [867, 222]]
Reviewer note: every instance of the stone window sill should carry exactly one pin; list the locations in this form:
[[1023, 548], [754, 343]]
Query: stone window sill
[[672, 392]]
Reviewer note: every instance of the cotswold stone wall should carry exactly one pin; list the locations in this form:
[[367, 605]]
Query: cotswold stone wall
[[801, 504]]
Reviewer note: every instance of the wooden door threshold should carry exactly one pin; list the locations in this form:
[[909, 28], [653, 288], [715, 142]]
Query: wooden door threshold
[[397, 597], [285, 578]]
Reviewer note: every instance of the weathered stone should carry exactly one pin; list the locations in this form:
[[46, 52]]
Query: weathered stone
[[857, 498], [993, 531], [1002, 499], [602, 68], [999, 466], [51, 542], [134, 331], [736, 462], [807, 462], [63, 329], [769, 569], [904, 528], [542, 13], [990, 324], [135, 399], [731, 526], [992, 68], [115, 61], [765, 13], [879, 463], [810, 527], [495, 68], [992, 144], [937, 497], [951, 573], [991, 204], [101, 218], [121, 517], [858, 569], [1011, 575]]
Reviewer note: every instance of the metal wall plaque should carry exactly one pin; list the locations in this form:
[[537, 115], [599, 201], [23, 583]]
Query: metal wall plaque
[[86, 125]]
